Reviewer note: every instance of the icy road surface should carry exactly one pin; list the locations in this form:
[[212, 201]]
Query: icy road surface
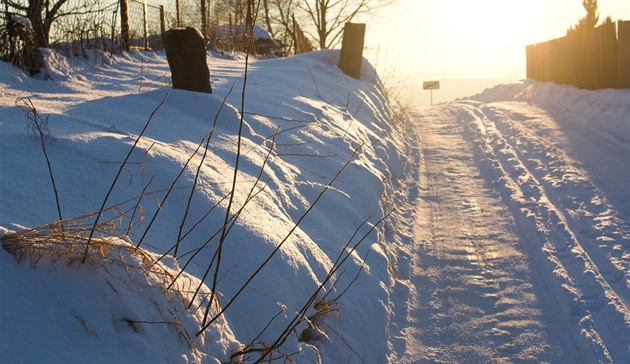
[[522, 239]]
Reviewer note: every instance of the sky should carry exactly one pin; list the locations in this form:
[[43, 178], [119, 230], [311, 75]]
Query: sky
[[460, 39]]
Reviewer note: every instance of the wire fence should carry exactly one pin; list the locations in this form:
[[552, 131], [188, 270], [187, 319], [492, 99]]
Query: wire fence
[[95, 24], [146, 24], [117, 25]]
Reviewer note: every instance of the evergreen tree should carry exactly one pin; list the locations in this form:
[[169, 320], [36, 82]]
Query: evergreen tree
[[589, 21]]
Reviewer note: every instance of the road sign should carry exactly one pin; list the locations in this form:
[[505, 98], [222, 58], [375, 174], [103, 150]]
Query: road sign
[[431, 85]]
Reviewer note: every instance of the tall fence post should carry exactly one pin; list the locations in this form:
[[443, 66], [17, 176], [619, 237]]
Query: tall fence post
[[124, 25], [352, 49]]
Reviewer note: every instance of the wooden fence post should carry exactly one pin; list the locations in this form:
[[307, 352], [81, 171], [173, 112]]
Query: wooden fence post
[[124, 25], [352, 49]]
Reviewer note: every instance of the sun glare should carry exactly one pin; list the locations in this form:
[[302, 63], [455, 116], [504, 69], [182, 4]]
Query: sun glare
[[463, 39], [486, 23]]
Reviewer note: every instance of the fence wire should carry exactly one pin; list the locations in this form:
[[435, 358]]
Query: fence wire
[[145, 25], [84, 25]]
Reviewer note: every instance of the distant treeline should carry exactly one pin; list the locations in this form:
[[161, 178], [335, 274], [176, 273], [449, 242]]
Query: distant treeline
[[589, 59]]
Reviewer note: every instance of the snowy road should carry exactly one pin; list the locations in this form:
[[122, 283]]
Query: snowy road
[[522, 245]]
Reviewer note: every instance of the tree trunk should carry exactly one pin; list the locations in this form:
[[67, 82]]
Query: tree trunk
[[34, 14], [42, 13], [322, 8], [267, 18]]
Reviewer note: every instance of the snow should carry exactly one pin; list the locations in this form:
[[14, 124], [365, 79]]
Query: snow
[[510, 239], [604, 112], [23, 21], [95, 109], [224, 31], [522, 231]]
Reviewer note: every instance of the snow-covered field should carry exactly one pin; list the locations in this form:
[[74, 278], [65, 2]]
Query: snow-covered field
[[510, 239]]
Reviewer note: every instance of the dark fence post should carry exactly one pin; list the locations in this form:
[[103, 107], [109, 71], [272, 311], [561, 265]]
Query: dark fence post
[[352, 49], [623, 40], [124, 25], [186, 56]]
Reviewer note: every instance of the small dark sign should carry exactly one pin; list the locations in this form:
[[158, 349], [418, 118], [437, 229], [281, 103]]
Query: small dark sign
[[431, 85]]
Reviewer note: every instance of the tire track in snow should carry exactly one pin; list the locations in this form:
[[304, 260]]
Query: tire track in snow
[[590, 219], [535, 178], [473, 299]]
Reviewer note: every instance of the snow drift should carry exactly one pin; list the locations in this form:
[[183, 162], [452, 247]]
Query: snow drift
[[604, 111]]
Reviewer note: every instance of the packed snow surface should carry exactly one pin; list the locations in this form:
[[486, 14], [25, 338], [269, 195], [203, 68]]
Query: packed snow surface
[[509, 239], [521, 242]]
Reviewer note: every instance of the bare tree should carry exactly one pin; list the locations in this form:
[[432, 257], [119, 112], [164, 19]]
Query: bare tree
[[280, 14], [43, 13], [267, 17], [322, 20], [330, 16]]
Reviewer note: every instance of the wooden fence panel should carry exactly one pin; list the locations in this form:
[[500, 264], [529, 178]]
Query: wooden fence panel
[[605, 55], [591, 59], [623, 34], [584, 63], [531, 63]]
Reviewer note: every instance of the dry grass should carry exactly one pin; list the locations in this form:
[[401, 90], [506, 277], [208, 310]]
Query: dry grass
[[67, 242]]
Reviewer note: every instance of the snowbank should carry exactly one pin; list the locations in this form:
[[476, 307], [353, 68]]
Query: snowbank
[[303, 121], [604, 111]]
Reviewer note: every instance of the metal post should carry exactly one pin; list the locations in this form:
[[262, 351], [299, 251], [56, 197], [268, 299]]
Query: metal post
[[178, 11], [146, 25]]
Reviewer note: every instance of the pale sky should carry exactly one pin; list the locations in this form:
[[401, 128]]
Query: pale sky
[[471, 38]]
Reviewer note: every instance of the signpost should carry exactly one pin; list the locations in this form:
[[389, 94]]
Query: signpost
[[431, 85]]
